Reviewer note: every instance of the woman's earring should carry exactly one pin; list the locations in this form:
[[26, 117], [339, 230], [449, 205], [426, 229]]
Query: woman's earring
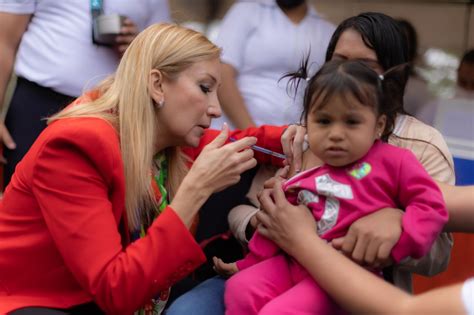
[[161, 103]]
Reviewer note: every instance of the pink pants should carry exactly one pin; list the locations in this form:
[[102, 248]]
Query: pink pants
[[274, 286]]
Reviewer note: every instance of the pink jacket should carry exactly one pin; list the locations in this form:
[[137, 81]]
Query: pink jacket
[[387, 176]]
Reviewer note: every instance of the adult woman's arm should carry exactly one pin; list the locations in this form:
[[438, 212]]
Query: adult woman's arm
[[460, 203], [12, 27], [354, 288]]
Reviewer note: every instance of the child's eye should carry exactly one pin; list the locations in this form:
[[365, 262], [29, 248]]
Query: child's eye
[[352, 122], [323, 121], [204, 88]]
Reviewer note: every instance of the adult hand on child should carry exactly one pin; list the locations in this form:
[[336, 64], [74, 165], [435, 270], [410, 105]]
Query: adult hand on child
[[224, 269], [292, 141], [370, 239], [280, 175], [287, 225]]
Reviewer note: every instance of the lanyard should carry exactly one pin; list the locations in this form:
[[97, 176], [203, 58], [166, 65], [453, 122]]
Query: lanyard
[[97, 7]]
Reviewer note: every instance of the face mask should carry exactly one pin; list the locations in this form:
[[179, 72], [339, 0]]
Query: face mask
[[289, 4], [463, 93]]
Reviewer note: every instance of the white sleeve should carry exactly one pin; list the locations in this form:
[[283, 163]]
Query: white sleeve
[[236, 27], [467, 294], [159, 12], [18, 6]]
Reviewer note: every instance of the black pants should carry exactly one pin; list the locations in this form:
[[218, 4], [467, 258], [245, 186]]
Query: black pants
[[30, 104]]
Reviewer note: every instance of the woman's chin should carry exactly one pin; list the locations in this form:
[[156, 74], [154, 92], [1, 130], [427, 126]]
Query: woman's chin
[[193, 142]]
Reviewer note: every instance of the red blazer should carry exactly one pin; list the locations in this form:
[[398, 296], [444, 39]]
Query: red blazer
[[60, 226], [60, 245]]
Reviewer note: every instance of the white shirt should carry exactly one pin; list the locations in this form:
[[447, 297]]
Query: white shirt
[[56, 50], [467, 295], [262, 44]]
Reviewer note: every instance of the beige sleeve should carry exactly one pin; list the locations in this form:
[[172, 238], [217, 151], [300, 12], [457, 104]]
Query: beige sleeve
[[239, 217], [431, 150]]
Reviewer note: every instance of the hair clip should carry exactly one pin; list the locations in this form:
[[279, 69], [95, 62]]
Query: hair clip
[[381, 77]]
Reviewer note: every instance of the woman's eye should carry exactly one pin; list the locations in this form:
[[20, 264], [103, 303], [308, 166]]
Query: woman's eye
[[204, 88]]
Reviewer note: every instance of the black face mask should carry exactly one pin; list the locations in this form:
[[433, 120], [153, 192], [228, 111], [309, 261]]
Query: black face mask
[[289, 4]]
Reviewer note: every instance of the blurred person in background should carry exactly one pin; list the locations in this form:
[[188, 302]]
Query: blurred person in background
[[262, 40], [465, 78], [447, 114], [48, 44]]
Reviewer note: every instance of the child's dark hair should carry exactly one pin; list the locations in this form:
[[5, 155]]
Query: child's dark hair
[[384, 93]]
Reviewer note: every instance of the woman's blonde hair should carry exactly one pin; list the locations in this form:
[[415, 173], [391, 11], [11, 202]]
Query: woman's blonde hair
[[124, 101]]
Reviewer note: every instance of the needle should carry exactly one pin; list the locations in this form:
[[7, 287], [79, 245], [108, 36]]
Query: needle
[[263, 150]]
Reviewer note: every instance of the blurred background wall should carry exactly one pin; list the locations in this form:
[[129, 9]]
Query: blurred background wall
[[443, 24]]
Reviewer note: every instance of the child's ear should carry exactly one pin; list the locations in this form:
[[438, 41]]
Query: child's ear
[[380, 126], [155, 85]]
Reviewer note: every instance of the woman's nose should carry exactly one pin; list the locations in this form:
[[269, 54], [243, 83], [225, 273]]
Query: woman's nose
[[214, 110]]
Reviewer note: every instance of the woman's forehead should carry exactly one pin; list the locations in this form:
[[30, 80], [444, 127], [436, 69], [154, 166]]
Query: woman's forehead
[[351, 46]]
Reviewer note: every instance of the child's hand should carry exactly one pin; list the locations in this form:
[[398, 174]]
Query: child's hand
[[280, 175], [224, 269]]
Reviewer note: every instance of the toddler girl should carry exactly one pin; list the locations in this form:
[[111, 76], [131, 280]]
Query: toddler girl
[[346, 125]]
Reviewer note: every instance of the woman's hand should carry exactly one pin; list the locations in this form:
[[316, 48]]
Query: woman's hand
[[292, 141], [287, 225], [128, 32], [224, 269], [370, 239], [217, 167]]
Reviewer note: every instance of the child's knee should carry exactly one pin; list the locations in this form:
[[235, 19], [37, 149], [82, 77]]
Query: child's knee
[[235, 287], [237, 290]]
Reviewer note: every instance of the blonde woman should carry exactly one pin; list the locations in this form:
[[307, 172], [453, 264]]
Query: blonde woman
[[102, 174]]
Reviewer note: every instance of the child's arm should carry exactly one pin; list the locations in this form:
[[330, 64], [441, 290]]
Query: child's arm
[[260, 248], [425, 211]]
